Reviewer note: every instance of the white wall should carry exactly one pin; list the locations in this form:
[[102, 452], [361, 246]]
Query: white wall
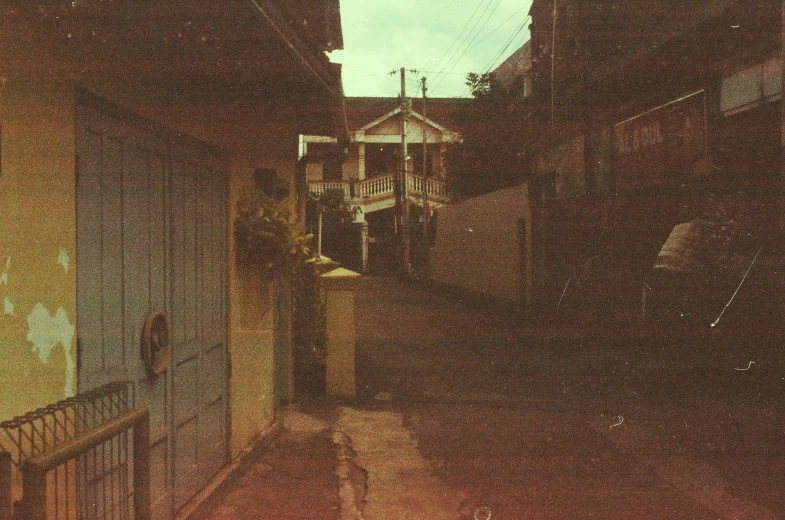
[[478, 246], [746, 88]]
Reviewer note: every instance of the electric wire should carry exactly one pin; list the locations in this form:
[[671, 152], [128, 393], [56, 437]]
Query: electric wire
[[509, 42], [498, 55], [494, 30], [464, 39], [453, 60], [451, 64], [459, 34]]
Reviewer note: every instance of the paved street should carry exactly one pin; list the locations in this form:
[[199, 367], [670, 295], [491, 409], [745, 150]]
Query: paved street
[[572, 429], [461, 415]]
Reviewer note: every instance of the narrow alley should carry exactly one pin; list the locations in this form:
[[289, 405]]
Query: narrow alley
[[459, 416]]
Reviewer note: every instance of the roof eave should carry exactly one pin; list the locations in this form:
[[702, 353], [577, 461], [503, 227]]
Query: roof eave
[[317, 65]]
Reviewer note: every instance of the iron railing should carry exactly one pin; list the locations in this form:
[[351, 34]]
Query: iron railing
[[70, 460]]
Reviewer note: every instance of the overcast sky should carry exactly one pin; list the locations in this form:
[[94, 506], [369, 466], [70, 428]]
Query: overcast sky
[[442, 39]]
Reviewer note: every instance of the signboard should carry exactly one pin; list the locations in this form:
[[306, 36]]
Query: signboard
[[661, 146]]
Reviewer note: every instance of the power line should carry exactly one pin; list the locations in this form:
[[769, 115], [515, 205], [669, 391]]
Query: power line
[[466, 37], [452, 61], [497, 28], [456, 60], [501, 52], [512, 38], [460, 34]]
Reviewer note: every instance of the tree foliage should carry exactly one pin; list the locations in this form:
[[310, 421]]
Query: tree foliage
[[339, 233], [332, 202], [495, 129], [265, 235]]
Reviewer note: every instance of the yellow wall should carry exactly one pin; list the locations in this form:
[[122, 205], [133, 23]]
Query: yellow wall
[[37, 245], [250, 324], [314, 171], [251, 313], [478, 247], [351, 166], [392, 126], [38, 226], [250, 328]]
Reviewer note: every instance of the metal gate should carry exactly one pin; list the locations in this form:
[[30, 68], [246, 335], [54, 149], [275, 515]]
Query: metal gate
[[151, 238]]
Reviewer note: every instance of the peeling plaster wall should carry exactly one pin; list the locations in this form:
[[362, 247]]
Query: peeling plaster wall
[[38, 229], [37, 218]]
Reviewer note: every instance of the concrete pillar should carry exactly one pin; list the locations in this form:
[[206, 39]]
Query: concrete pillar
[[360, 161], [339, 286], [364, 246]]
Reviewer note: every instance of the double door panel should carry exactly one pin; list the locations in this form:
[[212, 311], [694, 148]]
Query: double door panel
[[151, 237]]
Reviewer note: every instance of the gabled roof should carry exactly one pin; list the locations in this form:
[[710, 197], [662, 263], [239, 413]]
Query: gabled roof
[[397, 111], [363, 112]]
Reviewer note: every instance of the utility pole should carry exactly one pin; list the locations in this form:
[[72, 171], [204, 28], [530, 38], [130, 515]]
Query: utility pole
[[426, 259], [402, 183], [782, 123], [405, 231]]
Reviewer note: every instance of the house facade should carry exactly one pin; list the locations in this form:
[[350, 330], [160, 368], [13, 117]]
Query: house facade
[[127, 133], [655, 114], [367, 173]]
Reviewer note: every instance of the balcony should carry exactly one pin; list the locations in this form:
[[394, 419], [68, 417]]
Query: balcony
[[377, 193]]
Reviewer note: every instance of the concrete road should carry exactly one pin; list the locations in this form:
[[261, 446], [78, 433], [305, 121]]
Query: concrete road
[[461, 416]]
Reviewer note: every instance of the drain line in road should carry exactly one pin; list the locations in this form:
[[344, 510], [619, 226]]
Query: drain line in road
[[397, 482], [352, 479]]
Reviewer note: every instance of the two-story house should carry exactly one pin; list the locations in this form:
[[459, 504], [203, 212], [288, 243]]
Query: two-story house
[[368, 172]]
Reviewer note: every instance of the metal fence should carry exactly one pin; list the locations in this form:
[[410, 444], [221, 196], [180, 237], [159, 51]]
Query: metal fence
[[70, 460]]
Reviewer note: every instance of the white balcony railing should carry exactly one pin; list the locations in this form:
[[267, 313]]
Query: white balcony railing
[[436, 188], [376, 187], [319, 187]]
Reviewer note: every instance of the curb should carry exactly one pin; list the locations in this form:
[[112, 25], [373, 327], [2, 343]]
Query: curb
[[204, 501]]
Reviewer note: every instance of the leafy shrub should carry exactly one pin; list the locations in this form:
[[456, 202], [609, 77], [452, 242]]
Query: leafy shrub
[[265, 236]]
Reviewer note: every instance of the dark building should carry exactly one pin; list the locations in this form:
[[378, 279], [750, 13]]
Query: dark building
[[660, 126]]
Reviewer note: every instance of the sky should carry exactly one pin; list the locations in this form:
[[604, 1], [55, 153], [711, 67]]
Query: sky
[[440, 39]]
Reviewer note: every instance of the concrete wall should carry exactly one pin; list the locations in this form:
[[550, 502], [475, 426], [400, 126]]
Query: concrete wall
[[314, 171], [351, 166], [37, 246], [478, 246], [392, 126], [38, 228], [251, 311], [37, 225]]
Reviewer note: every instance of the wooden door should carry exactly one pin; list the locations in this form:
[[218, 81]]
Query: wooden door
[[151, 237]]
